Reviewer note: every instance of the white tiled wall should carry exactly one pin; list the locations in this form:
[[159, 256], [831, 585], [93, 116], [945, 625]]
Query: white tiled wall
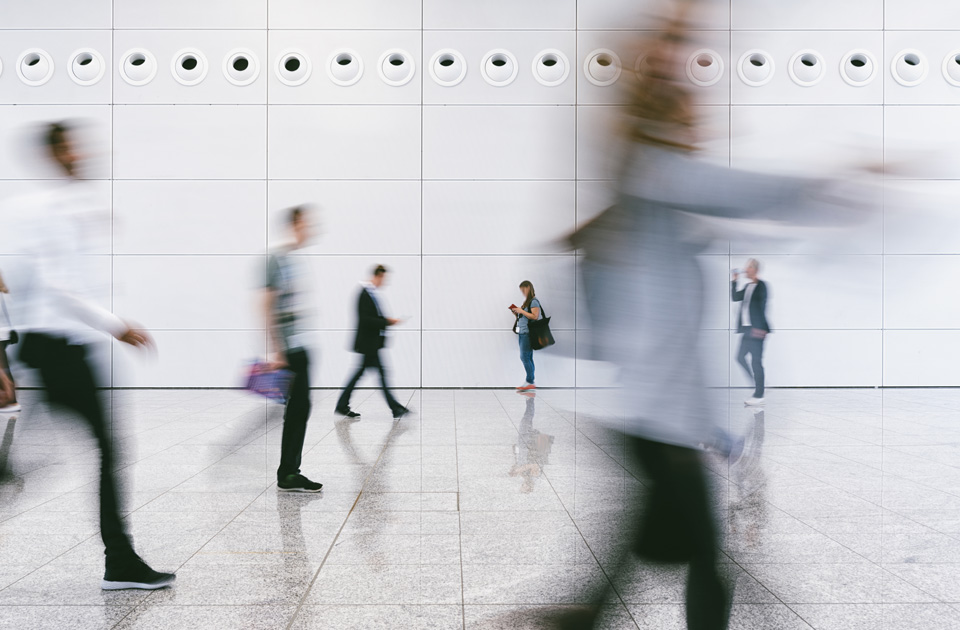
[[460, 190]]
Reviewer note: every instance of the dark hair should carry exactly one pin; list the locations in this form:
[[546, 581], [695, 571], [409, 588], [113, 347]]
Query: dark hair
[[56, 138], [295, 213], [55, 134], [532, 294], [379, 270]]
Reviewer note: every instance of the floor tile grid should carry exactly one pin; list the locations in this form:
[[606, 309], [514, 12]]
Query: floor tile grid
[[253, 437], [96, 535], [801, 609], [729, 480], [47, 418], [300, 605], [545, 476]]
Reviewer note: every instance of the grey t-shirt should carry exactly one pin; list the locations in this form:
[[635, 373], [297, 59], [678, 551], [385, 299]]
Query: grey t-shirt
[[282, 273], [523, 326]]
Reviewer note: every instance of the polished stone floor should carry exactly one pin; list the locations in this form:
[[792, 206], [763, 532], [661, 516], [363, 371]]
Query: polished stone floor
[[481, 510]]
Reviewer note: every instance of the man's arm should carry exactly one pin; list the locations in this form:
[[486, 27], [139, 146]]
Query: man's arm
[[736, 295]]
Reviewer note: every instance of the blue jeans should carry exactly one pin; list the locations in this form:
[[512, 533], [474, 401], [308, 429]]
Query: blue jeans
[[526, 356]]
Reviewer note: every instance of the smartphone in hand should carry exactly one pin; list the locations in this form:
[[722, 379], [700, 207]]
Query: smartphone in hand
[[512, 306]]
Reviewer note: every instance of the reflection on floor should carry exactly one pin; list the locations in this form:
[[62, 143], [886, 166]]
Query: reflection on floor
[[478, 510]]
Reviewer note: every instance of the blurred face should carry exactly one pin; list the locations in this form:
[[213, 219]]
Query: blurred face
[[66, 155], [301, 230], [751, 271], [377, 281], [525, 291]]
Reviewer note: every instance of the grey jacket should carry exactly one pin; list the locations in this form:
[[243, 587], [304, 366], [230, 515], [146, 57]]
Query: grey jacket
[[641, 269]]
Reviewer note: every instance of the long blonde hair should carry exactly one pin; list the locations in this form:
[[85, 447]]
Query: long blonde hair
[[659, 109]]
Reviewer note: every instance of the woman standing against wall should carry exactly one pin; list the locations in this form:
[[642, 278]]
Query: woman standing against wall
[[530, 310]]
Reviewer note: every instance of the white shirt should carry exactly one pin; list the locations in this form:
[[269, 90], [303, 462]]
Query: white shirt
[[372, 290], [54, 238], [745, 307]]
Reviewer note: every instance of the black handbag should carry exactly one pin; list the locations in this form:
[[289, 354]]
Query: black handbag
[[540, 335], [14, 337]]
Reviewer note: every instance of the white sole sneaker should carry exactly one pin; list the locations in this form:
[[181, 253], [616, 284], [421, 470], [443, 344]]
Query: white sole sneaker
[[10, 409], [143, 586], [754, 402]]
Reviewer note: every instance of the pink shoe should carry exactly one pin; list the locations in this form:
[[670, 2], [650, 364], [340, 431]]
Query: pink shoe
[[526, 387]]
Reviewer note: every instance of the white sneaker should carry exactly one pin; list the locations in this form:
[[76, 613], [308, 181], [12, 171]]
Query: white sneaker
[[14, 408], [753, 401]]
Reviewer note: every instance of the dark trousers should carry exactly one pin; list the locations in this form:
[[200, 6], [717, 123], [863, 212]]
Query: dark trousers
[[296, 414], [754, 347], [71, 384], [677, 525], [368, 360]]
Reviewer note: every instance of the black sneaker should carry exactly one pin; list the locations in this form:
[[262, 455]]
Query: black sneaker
[[347, 412], [136, 574], [298, 483], [400, 412]]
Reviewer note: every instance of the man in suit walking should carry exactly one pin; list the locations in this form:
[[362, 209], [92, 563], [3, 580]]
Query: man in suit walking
[[371, 337], [752, 324]]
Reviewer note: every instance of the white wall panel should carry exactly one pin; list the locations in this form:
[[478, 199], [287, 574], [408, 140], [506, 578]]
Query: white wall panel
[[475, 292], [189, 217], [816, 358], [334, 362], [189, 14], [489, 359], [811, 15], [920, 217], [356, 14], [935, 46], [821, 292], [342, 142], [921, 14], [819, 140], [189, 141], [831, 46], [525, 46], [500, 14], [918, 143], [60, 46], [546, 149], [351, 217], [319, 48], [213, 45], [496, 217], [23, 157], [189, 292], [189, 358], [463, 190], [917, 294], [56, 14], [921, 358], [629, 14], [337, 288]]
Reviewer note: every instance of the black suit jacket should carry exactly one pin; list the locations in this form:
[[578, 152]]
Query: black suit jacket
[[757, 306], [370, 325]]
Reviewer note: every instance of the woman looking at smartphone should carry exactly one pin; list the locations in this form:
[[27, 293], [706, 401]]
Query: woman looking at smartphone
[[530, 310]]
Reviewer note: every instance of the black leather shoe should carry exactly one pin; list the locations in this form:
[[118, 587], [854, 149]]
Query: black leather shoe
[[400, 412], [349, 413]]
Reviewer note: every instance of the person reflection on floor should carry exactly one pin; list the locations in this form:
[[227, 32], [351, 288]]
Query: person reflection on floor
[[532, 449]]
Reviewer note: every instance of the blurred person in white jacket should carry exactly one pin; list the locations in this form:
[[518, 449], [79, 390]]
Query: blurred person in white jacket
[[8, 389], [52, 237]]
